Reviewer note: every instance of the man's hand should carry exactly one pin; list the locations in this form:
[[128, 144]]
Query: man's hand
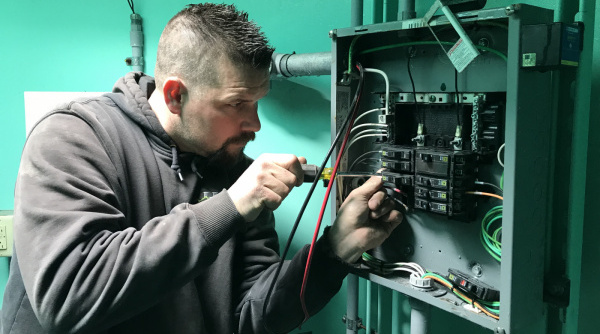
[[266, 183], [364, 221]]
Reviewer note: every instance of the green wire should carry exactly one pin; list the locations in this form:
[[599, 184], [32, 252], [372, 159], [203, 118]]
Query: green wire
[[350, 53], [489, 241], [400, 45], [485, 304]]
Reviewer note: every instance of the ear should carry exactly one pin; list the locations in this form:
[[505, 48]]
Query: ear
[[173, 89]]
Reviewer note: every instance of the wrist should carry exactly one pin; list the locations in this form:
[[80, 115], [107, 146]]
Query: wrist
[[342, 248]]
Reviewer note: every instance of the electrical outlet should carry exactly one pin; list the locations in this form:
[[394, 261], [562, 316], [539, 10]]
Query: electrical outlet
[[6, 233]]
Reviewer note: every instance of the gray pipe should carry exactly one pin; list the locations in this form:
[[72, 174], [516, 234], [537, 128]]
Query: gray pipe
[[406, 10], [419, 316], [136, 38], [352, 304], [580, 17], [356, 13], [297, 65]]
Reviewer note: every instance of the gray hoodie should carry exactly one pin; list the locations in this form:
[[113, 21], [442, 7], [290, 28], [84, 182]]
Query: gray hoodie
[[108, 239]]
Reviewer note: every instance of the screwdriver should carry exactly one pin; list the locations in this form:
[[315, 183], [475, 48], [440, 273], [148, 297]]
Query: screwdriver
[[310, 173]]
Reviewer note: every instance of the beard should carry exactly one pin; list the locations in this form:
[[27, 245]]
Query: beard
[[224, 157]]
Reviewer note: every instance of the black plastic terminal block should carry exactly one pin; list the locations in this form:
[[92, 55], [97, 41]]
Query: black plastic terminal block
[[473, 286]]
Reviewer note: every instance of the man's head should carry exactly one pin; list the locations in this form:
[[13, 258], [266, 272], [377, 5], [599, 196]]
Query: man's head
[[200, 36], [212, 67]]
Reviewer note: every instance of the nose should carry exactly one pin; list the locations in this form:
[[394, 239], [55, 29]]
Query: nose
[[250, 121]]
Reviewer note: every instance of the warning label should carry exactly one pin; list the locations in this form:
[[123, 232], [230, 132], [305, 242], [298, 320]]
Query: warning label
[[462, 54]]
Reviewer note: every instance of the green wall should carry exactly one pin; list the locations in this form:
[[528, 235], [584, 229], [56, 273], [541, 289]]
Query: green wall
[[71, 45]]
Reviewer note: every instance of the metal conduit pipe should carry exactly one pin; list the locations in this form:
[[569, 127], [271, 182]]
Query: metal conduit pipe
[[580, 17], [136, 37], [419, 316], [356, 13], [297, 65], [406, 10]]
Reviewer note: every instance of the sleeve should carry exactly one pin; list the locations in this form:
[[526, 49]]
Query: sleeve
[[83, 267], [284, 312]]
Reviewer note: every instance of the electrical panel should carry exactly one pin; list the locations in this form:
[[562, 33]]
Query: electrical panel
[[462, 150]]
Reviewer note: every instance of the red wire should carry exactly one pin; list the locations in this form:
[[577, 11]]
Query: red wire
[[323, 206]]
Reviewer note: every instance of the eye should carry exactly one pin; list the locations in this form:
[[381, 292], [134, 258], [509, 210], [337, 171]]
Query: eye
[[234, 104]]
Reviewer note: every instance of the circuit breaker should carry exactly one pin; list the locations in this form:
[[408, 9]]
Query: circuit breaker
[[462, 150]]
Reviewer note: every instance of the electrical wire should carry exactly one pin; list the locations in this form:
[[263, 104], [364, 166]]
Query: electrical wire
[[366, 132], [472, 301], [491, 239], [490, 185], [357, 138], [353, 106], [130, 2], [358, 160], [457, 97], [324, 205], [414, 90], [480, 193], [400, 45], [387, 86], [498, 156], [412, 268], [377, 125], [350, 51], [368, 112]]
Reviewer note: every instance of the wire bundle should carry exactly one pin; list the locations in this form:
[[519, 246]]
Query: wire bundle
[[491, 309], [414, 269], [491, 232]]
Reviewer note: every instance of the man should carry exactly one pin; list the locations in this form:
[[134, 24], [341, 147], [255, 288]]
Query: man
[[137, 212]]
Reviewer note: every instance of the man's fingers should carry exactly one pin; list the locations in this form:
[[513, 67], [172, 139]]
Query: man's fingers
[[369, 188], [291, 163], [376, 200], [391, 220], [381, 209]]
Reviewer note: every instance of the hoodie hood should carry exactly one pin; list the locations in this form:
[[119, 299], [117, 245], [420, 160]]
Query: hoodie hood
[[131, 94]]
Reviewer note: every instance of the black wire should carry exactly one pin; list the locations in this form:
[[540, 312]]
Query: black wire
[[353, 106], [130, 2], [498, 189], [457, 97], [412, 82]]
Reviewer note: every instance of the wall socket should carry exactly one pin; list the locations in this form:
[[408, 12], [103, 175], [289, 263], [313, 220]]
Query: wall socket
[[6, 233]]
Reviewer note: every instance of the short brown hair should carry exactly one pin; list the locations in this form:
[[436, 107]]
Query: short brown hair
[[200, 36]]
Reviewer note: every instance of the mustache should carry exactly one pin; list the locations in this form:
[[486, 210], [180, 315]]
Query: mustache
[[241, 139]]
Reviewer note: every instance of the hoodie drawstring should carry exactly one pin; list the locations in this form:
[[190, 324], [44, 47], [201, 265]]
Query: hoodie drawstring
[[175, 162]]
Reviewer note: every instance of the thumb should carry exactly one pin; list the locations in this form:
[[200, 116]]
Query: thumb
[[369, 188]]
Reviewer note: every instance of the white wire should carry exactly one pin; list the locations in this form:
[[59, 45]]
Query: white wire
[[417, 267], [368, 131], [500, 160], [360, 157], [410, 267], [387, 86], [377, 125], [368, 112], [382, 134]]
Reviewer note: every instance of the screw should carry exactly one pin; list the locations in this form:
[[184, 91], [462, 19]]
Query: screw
[[483, 42], [432, 98], [477, 270], [509, 10]]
